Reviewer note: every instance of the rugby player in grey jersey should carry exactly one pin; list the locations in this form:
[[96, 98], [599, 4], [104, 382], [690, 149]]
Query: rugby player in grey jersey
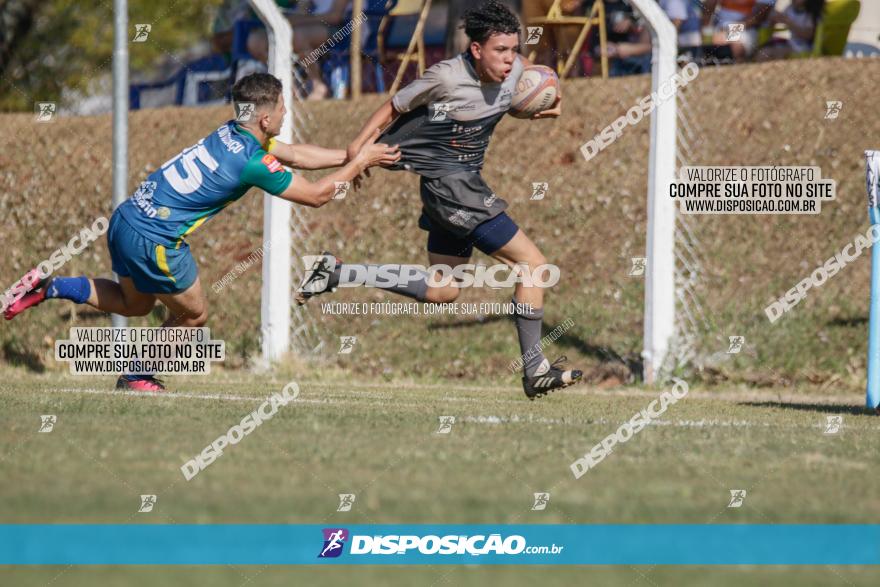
[[443, 122]]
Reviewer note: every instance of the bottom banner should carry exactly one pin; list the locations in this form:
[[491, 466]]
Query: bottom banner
[[222, 544]]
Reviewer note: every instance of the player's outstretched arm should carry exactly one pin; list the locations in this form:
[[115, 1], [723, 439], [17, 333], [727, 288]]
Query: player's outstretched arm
[[381, 118], [316, 194], [307, 156]]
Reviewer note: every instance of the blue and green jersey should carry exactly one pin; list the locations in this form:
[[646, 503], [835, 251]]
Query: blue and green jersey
[[192, 187]]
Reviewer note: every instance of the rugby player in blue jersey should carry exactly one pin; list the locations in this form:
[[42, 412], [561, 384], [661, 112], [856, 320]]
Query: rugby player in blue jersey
[[147, 233], [443, 122]]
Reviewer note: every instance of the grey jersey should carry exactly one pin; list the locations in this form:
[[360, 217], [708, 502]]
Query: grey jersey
[[447, 117]]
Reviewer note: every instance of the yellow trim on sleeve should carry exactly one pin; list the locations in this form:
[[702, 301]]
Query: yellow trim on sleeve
[[162, 261]]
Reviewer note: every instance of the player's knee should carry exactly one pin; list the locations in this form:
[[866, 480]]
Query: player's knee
[[442, 295], [536, 259], [200, 319], [189, 318]]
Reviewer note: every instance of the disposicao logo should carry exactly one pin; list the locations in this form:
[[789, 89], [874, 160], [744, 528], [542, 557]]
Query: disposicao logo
[[334, 540]]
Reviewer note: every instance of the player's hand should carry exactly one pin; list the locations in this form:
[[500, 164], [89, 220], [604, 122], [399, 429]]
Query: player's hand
[[390, 154], [554, 111], [373, 153]]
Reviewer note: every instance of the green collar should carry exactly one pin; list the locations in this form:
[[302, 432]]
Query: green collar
[[245, 131]]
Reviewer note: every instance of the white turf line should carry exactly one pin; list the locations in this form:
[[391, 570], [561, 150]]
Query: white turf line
[[578, 389], [491, 420], [582, 390], [575, 390]]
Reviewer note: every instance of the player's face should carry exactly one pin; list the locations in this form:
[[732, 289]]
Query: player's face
[[272, 120], [495, 57]]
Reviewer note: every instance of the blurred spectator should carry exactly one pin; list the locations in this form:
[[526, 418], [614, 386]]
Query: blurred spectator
[[313, 23], [800, 18], [737, 23], [556, 41], [629, 41], [229, 12], [687, 16]]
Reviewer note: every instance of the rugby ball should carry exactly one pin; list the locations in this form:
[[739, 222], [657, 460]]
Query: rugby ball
[[535, 92]]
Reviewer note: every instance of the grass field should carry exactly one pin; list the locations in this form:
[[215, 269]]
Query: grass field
[[378, 440]]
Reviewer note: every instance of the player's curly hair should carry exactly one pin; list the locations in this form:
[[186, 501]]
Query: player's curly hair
[[488, 19], [261, 89]]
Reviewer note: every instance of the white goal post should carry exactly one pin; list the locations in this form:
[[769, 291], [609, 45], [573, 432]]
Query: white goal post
[[660, 245], [276, 289]]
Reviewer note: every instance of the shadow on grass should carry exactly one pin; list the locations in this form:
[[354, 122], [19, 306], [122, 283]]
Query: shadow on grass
[[27, 359], [855, 321], [90, 314], [468, 323], [631, 364], [821, 408]]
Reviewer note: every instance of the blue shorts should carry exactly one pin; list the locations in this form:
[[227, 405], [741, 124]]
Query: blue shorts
[[489, 236], [152, 267]]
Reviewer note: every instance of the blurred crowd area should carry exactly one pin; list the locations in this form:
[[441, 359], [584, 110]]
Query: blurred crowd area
[[578, 38]]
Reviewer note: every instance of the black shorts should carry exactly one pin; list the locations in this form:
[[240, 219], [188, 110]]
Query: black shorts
[[459, 202], [488, 236]]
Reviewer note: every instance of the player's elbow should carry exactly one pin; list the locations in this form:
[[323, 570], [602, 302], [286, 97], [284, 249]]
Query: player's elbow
[[304, 195], [309, 199], [320, 196], [313, 201]]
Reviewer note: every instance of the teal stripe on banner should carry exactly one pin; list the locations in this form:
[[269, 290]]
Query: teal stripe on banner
[[161, 544]]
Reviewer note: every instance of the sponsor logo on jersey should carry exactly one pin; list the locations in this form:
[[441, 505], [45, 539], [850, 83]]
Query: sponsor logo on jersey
[[143, 198], [230, 143], [272, 163]]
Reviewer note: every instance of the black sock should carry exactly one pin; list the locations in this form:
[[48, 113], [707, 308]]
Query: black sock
[[528, 330]]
